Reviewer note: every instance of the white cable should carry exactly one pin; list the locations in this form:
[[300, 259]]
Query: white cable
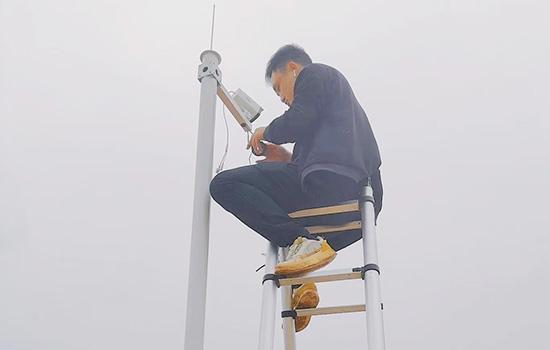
[[222, 162], [247, 142]]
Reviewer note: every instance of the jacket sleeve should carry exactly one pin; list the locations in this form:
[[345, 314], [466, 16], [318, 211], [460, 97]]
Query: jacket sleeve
[[305, 110]]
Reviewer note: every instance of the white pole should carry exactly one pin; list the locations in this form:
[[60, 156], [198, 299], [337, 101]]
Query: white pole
[[375, 323], [198, 265], [269, 301]]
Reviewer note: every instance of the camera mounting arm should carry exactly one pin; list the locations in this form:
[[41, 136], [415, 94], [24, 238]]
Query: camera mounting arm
[[244, 112], [233, 107]]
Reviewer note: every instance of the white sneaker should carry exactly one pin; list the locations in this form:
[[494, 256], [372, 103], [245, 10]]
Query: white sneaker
[[306, 255], [303, 246]]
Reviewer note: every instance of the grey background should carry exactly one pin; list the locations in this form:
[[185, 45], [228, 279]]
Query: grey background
[[98, 123]]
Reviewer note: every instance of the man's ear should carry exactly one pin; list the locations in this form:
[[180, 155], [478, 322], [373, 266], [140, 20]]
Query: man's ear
[[292, 66]]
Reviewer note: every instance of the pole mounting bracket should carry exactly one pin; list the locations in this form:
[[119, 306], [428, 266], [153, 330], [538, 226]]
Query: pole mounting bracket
[[208, 68]]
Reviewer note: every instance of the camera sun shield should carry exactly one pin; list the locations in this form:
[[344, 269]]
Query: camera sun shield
[[251, 109]]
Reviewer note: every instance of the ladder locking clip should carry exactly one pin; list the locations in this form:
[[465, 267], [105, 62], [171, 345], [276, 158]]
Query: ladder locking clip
[[273, 277], [366, 268], [289, 313]]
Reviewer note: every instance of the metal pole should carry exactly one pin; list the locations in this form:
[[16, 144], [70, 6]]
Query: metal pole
[[269, 301], [375, 323], [198, 265]]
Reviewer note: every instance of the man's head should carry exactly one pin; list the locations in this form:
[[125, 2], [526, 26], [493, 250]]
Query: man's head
[[283, 68]]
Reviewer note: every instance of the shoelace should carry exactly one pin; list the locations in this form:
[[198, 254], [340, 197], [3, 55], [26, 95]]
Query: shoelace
[[294, 248], [305, 246], [298, 302]]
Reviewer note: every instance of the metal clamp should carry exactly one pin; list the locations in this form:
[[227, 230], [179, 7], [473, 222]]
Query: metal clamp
[[366, 268], [289, 313], [272, 277], [209, 68]]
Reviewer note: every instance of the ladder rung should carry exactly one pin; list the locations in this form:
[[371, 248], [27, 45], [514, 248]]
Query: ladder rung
[[316, 230], [321, 276], [334, 209], [330, 310]]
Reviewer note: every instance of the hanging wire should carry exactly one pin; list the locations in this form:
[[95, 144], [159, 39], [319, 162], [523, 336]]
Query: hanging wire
[[248, 134], [222, 162]]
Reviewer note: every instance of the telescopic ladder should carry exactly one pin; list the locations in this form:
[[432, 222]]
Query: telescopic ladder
[[369, 272]]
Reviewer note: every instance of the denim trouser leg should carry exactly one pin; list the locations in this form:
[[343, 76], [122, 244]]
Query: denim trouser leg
[[261, 195]]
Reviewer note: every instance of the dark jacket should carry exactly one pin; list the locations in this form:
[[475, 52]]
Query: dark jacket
[[329, 127]]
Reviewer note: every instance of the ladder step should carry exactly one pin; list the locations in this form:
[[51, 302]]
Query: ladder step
[[317, 230], [334, 209], [330, 310], [321, 276]]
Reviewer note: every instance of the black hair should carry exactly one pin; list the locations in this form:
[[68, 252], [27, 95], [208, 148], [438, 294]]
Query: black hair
[[285, 54]]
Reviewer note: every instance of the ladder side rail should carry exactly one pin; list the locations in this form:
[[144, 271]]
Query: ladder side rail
[[269, 301], [289, 333], [373, 298]]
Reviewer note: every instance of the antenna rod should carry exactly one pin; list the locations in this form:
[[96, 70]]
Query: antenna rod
[[212, 33]]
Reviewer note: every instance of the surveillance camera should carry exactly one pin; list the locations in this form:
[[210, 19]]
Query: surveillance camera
[[251, 109]]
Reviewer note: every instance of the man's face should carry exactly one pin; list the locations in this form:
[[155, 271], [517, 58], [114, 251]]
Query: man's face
[[283, 83]]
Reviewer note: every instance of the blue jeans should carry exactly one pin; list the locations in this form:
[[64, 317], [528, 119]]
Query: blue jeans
[[262, 195]]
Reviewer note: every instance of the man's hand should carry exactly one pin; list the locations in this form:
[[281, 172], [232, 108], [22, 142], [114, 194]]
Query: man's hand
[[255, 140], [275, 153]]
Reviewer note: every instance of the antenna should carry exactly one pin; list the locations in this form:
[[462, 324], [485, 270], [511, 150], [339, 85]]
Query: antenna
[[212, 32]]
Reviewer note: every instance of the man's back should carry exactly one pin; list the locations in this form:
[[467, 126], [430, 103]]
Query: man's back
[[329, 127]]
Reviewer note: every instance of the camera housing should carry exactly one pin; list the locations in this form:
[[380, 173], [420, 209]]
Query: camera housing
[[251, 109]]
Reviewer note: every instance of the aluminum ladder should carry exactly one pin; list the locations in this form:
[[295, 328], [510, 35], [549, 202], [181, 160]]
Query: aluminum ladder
[[369, 272]]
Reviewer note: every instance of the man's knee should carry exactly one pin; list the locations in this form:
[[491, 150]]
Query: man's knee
[[219, 184]]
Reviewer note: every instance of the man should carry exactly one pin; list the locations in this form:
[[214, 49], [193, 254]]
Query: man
[[334, 154]]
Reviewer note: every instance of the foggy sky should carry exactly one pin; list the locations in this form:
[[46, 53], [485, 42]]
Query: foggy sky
[[98, 130]]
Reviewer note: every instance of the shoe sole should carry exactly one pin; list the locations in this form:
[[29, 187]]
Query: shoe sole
[[306, 300], [309, 299]]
